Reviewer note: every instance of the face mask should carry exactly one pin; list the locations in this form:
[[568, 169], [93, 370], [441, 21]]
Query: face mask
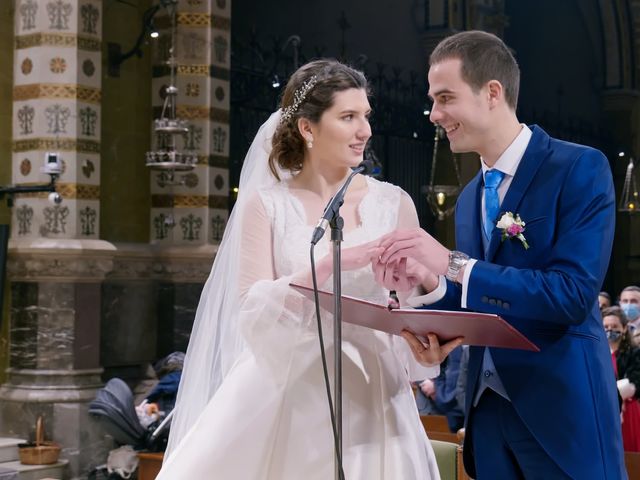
[[631, 310], [613, 335]]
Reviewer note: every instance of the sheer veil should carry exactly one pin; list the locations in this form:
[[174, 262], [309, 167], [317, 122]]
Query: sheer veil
[[215, 342]]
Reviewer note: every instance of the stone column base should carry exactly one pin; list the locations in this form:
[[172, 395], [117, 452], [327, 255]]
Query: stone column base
[[62, 398]]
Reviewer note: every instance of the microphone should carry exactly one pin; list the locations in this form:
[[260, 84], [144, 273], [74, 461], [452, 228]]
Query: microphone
[[366, 167]]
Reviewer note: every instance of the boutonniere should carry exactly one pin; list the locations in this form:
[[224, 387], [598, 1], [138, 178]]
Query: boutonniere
[[512, 226]]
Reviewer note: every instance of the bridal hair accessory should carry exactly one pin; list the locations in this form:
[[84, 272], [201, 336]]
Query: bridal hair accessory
[[298, 97], [512, 226]]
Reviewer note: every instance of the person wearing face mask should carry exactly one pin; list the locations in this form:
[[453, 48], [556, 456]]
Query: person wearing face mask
[[626, 364], [630, 304]]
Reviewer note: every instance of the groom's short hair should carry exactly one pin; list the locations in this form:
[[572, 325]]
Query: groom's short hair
[[484, 57]]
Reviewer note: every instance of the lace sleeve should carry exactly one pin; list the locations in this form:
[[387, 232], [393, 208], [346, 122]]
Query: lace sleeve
[[271, 314], [256, 249]]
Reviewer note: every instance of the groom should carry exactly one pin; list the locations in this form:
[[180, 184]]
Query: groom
[[534, 231]]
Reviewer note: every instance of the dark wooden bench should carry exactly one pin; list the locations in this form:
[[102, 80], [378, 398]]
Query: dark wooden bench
[[632, 462]]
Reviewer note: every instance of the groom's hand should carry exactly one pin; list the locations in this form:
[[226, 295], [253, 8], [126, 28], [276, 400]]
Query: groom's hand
[[404, 275], [415, 244], [401, 276], [432, 352]]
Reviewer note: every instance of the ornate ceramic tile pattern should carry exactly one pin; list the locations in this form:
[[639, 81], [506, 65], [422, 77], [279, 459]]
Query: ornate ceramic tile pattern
[[221, 8], [56, 108], [57, 40], [179, 201], [53, 144], [201, 70], [52, 90], [194, 211]]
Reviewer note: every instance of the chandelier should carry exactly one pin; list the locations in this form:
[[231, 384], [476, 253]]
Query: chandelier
[[167, 158], [629, 198], [441, 198]]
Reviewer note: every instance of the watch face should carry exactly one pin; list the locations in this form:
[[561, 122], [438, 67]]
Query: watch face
[[457, 260]]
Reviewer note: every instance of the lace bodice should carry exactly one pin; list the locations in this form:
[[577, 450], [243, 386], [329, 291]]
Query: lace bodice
[[378, 213]]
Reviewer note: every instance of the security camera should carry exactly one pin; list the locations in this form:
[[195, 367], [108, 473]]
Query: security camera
[[52, 163], [55, 198]]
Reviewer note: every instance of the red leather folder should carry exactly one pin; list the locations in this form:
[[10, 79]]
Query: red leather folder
[[477, 328]]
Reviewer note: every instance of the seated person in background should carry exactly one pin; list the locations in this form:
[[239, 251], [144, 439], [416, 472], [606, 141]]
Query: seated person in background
[[626, 364], [604, 300], [630, 304], [439, 396], [163, 396]]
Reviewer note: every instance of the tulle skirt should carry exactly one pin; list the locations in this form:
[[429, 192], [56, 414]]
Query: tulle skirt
[[257, 427]]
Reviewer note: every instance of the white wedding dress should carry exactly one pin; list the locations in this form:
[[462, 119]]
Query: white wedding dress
[[269, 419]]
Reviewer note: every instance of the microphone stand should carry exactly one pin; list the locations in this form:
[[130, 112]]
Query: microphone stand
[[337, 224], [331, 217]]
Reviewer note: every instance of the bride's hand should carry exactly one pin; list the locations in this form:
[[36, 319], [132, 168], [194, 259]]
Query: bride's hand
[[360, 256], [431, 353], [351, 259]]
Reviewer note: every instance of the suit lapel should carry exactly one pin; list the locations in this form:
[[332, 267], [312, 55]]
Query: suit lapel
[[536, 152]]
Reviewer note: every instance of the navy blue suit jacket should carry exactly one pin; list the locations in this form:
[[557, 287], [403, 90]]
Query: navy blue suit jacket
[[565, 393]]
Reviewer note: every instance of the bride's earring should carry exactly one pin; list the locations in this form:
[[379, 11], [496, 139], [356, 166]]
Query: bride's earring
[[309, 144]]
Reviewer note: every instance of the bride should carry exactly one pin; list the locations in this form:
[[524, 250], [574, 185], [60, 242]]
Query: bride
[[252, 402]]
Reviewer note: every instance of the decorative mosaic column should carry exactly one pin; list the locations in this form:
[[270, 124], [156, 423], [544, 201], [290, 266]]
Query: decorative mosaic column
[[195, 212], [56, 108], [56, 261]]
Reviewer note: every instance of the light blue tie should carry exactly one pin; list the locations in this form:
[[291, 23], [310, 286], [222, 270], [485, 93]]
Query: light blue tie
[[492, 179]]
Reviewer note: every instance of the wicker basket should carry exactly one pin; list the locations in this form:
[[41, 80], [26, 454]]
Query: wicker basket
[[40, 452]]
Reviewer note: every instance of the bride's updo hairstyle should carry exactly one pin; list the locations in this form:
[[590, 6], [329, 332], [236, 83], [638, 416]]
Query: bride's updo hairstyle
[[309, 92]]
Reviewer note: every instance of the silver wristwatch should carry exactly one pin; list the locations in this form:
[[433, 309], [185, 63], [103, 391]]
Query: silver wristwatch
[[457, 260]]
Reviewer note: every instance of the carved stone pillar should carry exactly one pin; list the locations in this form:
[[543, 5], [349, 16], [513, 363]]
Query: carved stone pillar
[[56, 262], [194, 213], [55, 344]]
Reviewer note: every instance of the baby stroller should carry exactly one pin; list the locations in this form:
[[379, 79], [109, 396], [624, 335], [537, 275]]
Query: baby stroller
[[115, 410]]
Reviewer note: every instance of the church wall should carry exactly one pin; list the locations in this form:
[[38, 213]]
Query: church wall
[[126, 132]]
